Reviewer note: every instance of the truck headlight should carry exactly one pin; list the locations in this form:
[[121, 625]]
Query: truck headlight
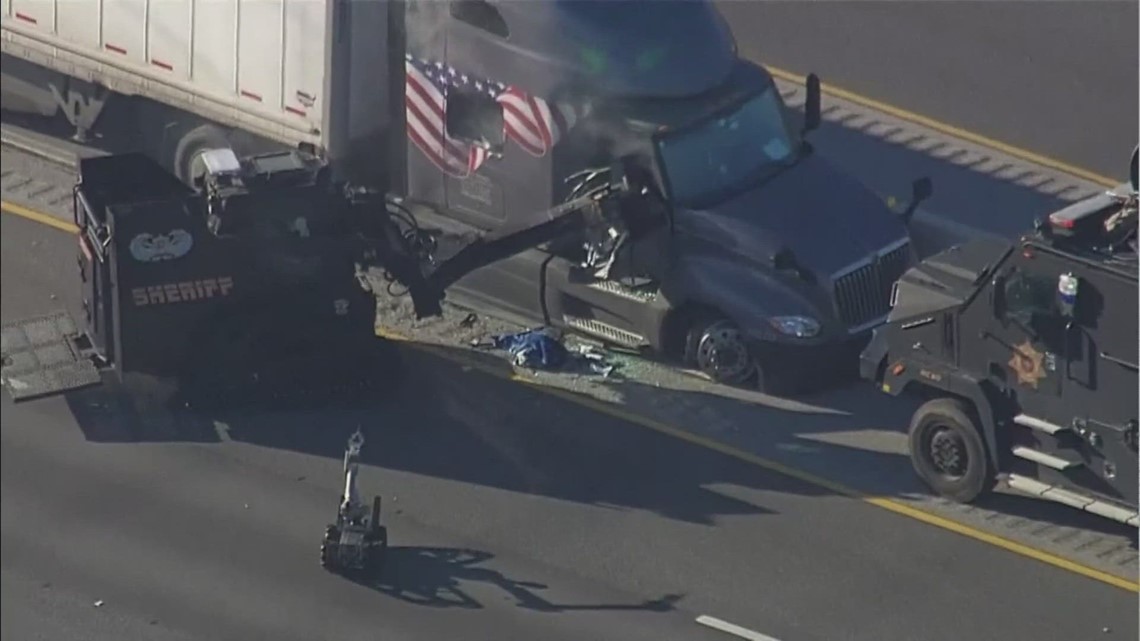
[[797, 326]]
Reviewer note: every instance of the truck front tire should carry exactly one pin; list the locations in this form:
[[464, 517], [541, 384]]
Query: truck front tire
[[947, 451], [715, 347]]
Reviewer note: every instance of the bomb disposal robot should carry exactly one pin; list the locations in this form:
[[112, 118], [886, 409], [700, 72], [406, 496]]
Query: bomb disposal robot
[[357, 542]]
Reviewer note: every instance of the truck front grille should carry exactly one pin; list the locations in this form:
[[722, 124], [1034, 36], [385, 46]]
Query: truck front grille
[[862, 292]]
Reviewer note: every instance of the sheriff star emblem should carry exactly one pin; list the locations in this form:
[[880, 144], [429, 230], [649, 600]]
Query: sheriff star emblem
[[1028, 364]]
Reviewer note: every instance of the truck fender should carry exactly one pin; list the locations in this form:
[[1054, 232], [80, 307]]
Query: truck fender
[[953, 384], [741, 292]]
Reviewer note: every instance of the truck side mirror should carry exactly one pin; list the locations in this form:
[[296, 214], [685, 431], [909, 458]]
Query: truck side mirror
[[812, 108], [920, 190]]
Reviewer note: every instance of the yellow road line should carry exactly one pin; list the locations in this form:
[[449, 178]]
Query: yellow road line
[[41, 218], [951, 130]]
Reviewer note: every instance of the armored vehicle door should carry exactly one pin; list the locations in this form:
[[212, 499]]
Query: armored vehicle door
[[1030, 345], [1103, 390]]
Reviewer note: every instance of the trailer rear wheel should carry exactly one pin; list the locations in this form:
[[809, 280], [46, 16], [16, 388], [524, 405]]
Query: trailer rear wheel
[[187, 159], [947, 451]]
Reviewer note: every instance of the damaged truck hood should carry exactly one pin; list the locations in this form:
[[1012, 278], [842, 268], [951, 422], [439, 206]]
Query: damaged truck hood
[[948, 279], [825, 218]]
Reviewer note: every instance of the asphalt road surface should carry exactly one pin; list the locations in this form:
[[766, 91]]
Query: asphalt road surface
[[1056, 78], [509, 512]]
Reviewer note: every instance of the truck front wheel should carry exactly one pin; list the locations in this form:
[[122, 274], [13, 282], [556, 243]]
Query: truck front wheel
[[715, 346], [947, 451]]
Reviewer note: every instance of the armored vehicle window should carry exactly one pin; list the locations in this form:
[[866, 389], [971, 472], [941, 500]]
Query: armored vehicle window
[[474, 117], [1028, 296], [480, 15]]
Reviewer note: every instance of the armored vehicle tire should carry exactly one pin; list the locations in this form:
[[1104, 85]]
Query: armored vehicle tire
[[947, 451]]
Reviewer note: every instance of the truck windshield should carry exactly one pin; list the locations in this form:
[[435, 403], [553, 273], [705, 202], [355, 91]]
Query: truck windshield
[[728, 152]]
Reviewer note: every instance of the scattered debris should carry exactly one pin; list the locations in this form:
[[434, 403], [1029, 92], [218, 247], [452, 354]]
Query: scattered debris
[[595, 358], [469, 320], [99, 603], [541, 349]]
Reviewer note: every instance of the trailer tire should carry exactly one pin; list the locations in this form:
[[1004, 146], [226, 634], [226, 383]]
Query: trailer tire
[[947, 450], [187, 154]]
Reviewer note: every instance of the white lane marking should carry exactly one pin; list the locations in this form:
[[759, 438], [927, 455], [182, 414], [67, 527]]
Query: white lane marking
[[725, 626]]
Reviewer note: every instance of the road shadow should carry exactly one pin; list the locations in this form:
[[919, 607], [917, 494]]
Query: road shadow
[[445, 421], [850, 434], [438, 577], [453, 413]]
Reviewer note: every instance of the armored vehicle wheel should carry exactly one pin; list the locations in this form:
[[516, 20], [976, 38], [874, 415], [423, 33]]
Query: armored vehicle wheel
[[328, 547], [947, 451]]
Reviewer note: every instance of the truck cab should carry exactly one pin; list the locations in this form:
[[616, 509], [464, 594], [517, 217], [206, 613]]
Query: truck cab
[[1027, 354], [765, 253]]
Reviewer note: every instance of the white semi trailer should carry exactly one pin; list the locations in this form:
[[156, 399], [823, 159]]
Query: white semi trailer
[[188, 75]]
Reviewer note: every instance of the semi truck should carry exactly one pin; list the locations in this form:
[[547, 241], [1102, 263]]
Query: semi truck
[[766, 266]]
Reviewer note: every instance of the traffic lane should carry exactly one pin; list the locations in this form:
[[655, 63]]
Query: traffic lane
[[211, 548], [980, 199], [215, 542], [741, 543], [565, 491], [1057, 78], [37, 610]]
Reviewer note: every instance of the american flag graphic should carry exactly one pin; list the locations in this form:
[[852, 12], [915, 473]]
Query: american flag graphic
[[530, 122]]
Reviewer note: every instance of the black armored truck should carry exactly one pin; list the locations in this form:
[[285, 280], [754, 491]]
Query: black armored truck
[[1026, 354]]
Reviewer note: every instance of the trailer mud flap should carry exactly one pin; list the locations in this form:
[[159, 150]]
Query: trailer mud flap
[[42, 358]]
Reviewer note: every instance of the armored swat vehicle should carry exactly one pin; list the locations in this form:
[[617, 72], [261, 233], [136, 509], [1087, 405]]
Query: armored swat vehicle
[[1027, 354]]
